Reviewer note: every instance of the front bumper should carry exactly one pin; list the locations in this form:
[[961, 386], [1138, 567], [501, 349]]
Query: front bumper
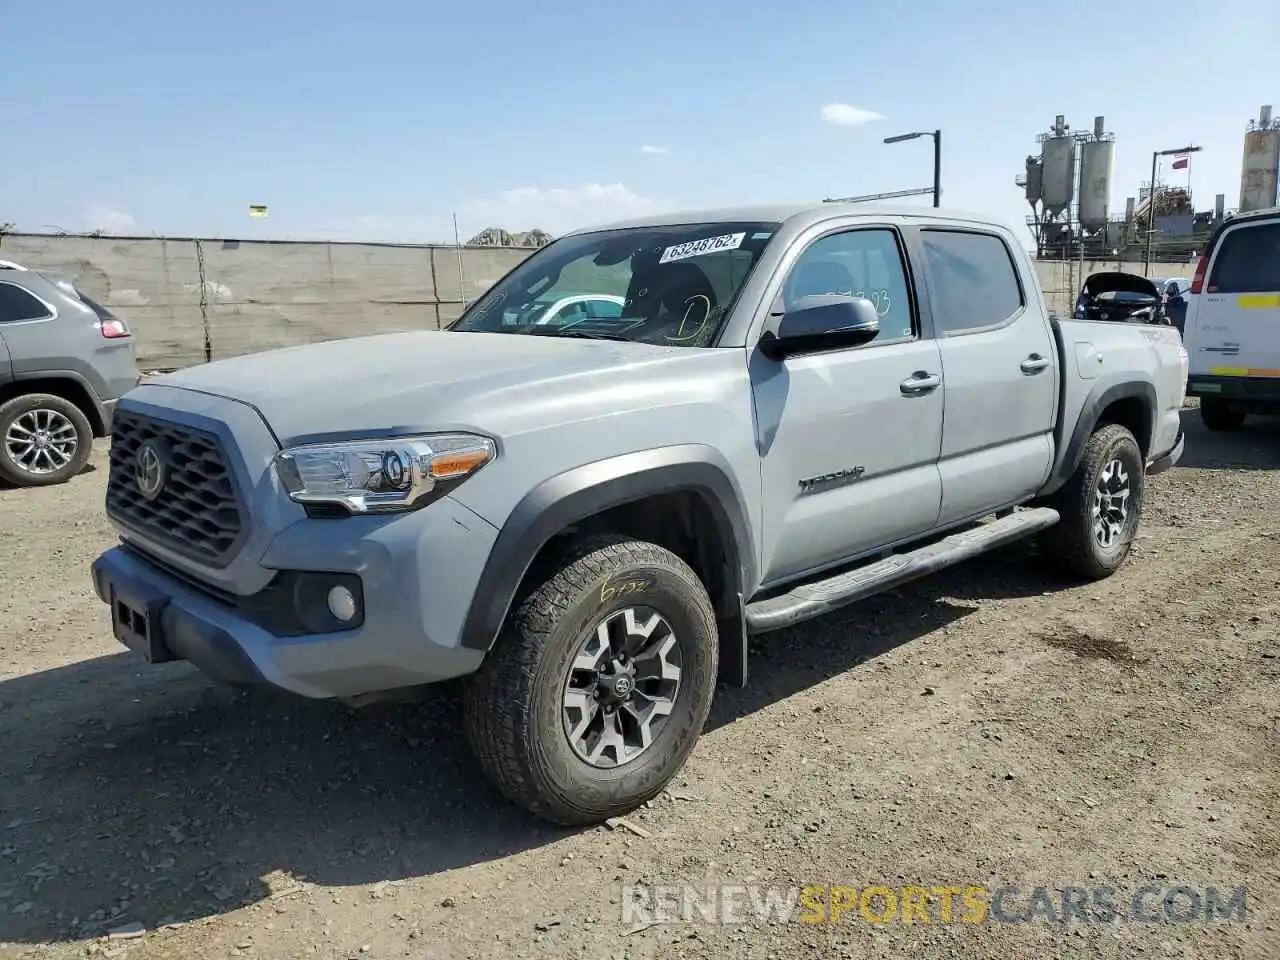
[[417, 575], [1169, 460]]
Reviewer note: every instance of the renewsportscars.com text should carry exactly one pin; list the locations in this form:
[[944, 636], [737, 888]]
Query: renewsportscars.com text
[[936, 903]]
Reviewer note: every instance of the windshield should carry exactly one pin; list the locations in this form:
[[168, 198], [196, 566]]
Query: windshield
[[671, 284]]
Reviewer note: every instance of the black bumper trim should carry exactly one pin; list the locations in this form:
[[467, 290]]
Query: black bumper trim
[[188, 637]]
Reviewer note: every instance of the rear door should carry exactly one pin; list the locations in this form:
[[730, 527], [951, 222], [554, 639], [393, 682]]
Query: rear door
[[1234, 323], [1000, 379]]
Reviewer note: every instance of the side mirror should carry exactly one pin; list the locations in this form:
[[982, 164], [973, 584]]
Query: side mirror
[[822, 322]]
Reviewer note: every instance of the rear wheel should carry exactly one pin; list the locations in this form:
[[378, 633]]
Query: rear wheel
[[44, 439], [597, 690], [1217, 415], [1100, 507]]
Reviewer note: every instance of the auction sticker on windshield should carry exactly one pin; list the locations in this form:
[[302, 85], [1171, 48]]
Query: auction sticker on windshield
[[696, 248]]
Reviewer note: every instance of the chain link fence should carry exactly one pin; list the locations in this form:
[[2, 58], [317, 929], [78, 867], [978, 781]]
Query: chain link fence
[[191, 300]]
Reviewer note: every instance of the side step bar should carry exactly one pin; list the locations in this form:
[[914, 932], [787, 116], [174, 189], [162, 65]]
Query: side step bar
[[823, 596]]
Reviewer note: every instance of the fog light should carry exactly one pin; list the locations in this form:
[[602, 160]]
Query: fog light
[[342, 603]]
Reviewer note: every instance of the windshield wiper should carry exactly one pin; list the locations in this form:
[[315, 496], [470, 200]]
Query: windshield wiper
[[579, 334]]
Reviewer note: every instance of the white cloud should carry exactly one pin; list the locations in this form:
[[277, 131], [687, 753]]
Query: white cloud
[[554, 209], [650, 148], [847, 115], [107, 220]]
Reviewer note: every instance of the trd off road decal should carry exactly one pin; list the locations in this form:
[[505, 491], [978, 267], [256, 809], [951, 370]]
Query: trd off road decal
[[696, 248]]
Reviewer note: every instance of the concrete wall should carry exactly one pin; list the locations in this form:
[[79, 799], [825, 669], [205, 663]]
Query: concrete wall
[[187, 299]]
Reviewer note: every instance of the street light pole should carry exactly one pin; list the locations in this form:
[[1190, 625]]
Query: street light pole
[[937, 167], [1151, 201], [937, 156], [1151, 215]]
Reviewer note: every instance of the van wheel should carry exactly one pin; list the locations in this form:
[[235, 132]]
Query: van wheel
[[1217, 415], [44, 439], [598, 688], [1100, 507]]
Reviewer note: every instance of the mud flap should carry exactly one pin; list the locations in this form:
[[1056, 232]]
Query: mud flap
[[733, 647]]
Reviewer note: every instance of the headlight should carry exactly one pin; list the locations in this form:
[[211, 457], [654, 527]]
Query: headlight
[[381, 476]]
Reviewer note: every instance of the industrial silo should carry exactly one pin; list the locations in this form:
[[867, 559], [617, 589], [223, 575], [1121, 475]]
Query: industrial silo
[[1097, 156], [1034, 181], [1057, 169], [1260, 170]]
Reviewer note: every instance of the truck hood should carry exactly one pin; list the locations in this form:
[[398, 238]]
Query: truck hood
[[411, 382]]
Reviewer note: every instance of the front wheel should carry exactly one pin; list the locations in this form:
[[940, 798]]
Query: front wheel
[[1100, 507], [597, 690]]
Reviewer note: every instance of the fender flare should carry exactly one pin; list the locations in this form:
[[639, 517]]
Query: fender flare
[[579, 493], [99, 416], [1099, 399]]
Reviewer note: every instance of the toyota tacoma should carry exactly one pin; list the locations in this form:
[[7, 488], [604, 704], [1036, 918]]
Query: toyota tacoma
[[794, 408]]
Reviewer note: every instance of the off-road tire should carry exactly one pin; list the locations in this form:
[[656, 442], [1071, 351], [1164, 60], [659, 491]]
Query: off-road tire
[[1071, 545], [14, 472], [1216, 415], [513, 711]]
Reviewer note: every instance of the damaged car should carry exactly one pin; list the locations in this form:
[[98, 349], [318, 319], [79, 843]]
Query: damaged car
[[1120, 297]]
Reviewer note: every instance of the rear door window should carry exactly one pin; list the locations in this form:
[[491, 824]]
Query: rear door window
[[1248, 260], [972, 279]]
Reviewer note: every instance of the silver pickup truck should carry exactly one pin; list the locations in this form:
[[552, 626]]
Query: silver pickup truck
[[791, 409]]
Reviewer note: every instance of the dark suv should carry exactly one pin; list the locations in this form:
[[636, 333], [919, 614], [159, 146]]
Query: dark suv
[[64, 362]]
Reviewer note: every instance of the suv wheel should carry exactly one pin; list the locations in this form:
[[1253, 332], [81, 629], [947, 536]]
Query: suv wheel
[[1215, 414], [44, 439], [1100, 506], [594, 695]]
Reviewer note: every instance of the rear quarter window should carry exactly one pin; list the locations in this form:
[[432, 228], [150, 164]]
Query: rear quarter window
[[1248, 260]]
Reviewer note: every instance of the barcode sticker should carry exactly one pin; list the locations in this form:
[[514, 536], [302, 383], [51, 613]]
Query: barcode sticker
[[696, 248]]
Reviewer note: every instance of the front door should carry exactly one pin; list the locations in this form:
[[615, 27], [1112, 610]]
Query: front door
[[849, 439]]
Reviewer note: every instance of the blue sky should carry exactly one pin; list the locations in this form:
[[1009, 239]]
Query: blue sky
[[378, 120]]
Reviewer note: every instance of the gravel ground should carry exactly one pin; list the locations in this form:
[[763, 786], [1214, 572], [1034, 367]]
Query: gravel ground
[[990, 726]]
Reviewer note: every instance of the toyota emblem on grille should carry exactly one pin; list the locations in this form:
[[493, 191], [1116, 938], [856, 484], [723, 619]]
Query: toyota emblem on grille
[[149, 471]]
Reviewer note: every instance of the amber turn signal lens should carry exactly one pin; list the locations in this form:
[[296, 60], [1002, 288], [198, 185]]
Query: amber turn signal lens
[[448, 465]]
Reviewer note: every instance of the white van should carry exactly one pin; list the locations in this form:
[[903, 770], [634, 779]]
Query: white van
[[1232, 332]]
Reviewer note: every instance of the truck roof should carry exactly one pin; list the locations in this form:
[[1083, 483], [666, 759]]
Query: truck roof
[[1263, 214], [797, 214]]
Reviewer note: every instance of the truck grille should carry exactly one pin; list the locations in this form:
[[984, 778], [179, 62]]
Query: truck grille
[[195, 510]]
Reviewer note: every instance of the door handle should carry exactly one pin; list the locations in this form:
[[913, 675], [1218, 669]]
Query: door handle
[[1035, 363], [920, 382]]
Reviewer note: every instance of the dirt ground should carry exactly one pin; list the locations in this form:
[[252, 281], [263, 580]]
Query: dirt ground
[[991, 726]]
